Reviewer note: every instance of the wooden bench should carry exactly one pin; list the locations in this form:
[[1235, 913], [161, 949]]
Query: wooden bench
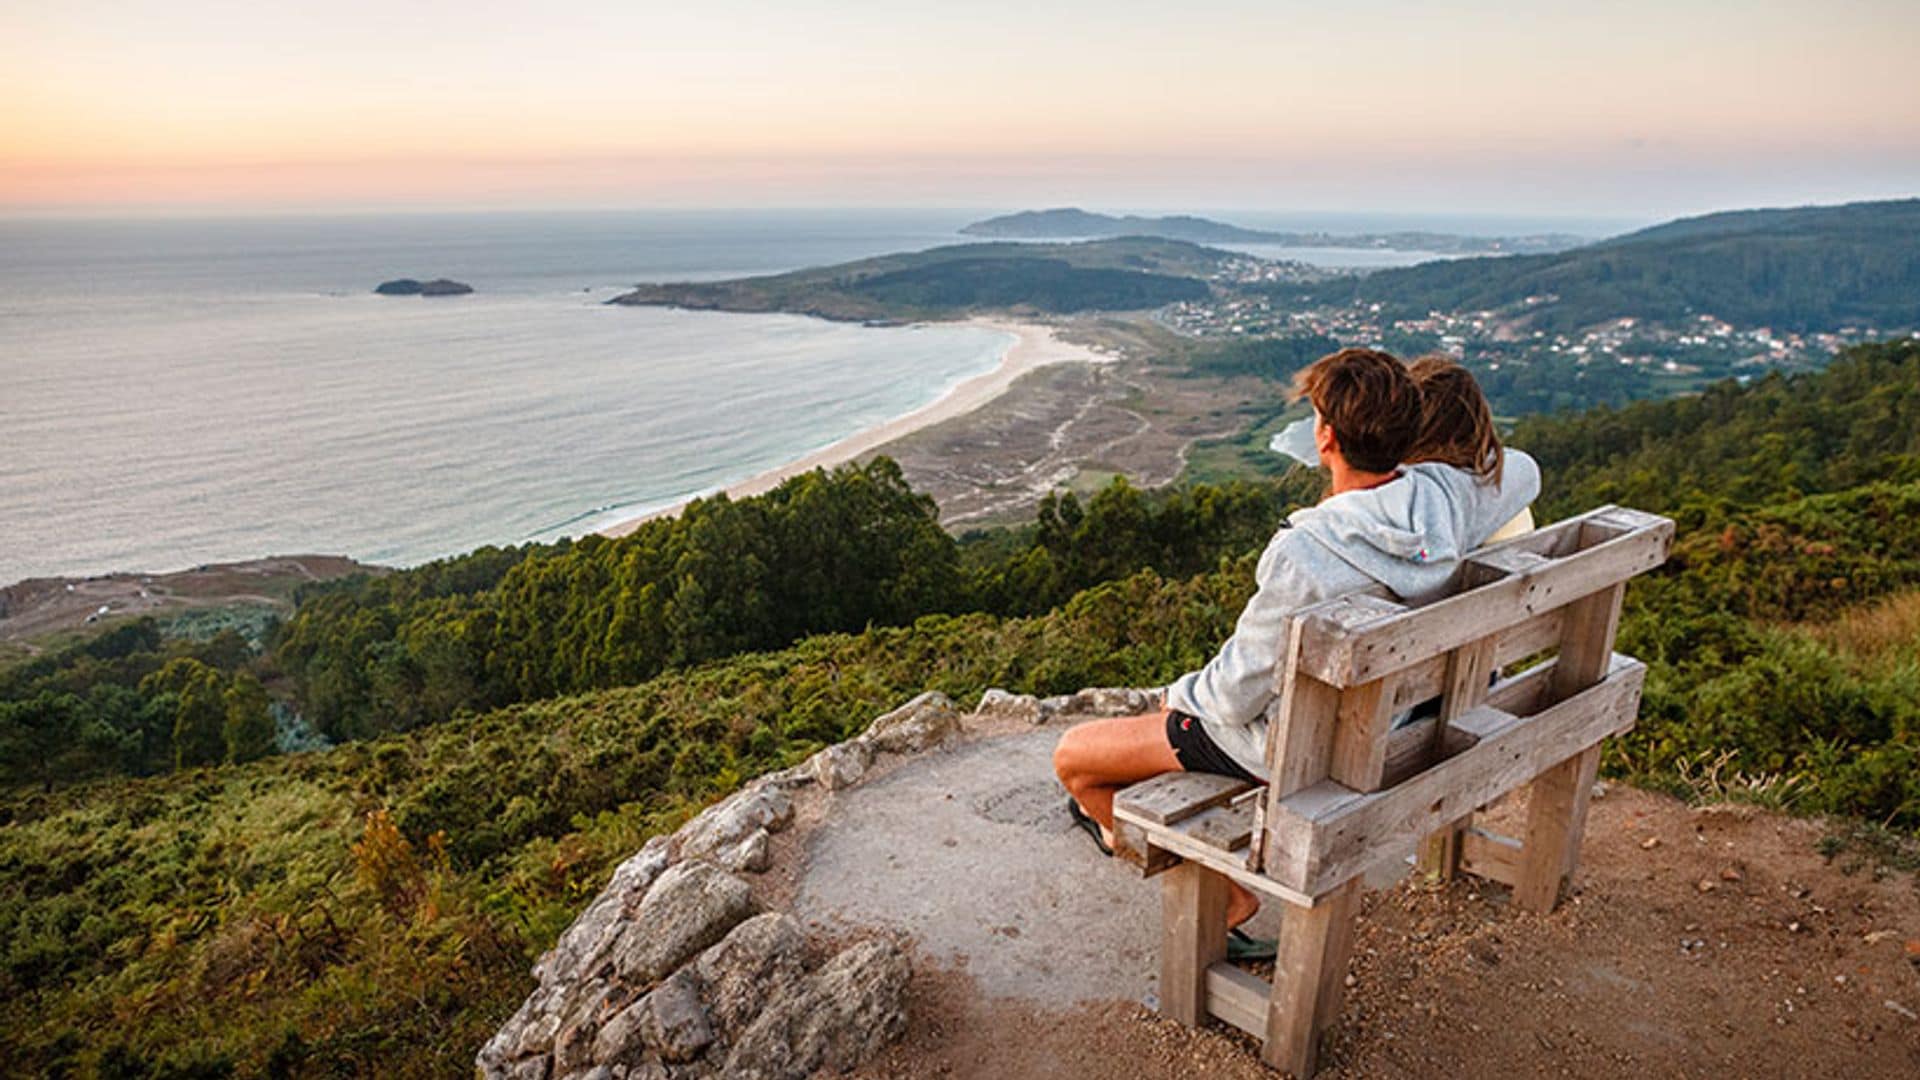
[[1349, 791]]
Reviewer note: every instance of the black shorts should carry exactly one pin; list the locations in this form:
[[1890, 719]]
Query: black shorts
[[1197, 751]]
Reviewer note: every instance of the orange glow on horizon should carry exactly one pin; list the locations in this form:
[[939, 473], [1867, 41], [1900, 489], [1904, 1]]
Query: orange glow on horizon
[[201, 102]]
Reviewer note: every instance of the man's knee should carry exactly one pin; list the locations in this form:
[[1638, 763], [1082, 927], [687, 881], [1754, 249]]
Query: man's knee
[[1068, 758]]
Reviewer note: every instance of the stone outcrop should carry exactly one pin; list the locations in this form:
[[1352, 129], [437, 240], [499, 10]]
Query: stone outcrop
[[734, 819], [925, 721], [1112, 701], [672, 972], [690, 907], [998, 702], [841, 765], [835, 1020]]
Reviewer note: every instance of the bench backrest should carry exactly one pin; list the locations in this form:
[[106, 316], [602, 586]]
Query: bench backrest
[[1347, 787]]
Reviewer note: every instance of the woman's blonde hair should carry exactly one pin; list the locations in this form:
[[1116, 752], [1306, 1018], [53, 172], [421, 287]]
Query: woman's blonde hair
[[1456, 425]]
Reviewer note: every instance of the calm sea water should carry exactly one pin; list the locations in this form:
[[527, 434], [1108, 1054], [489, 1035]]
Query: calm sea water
[[178, 392], [181, 391]]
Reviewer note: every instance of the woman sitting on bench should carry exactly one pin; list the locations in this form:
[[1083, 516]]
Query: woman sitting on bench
[[1391, 517]]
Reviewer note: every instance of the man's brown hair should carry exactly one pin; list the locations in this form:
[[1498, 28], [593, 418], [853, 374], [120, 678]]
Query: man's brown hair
[[1370, 402], [1456, 425]]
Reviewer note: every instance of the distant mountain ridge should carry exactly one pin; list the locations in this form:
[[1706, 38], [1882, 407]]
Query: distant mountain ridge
[[1074, 223], [1801, 270]]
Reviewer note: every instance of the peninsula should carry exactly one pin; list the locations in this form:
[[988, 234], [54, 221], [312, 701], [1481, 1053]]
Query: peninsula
[[1126, 274]]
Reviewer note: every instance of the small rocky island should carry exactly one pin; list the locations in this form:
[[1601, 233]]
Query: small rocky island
[[407, 286]]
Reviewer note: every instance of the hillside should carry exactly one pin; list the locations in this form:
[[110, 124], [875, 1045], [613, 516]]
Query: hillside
[[1074, 223], [512, 724], [1806, 270], [1107, 275]]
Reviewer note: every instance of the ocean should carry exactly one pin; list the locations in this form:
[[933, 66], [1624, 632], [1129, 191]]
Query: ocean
[[178, 391]]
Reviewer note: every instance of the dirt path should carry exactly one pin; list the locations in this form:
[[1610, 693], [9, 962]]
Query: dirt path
[[1698, 943]]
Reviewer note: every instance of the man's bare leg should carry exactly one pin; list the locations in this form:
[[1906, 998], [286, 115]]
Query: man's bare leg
[[1096, 759]]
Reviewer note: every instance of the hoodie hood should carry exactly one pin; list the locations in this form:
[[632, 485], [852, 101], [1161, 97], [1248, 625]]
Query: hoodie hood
[[1410, 533]]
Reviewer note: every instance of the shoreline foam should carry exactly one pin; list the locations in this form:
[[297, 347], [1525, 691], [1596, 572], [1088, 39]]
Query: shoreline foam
[[1034, 346]]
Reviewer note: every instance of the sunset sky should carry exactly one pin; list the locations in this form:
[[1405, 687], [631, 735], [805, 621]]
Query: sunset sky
[[1643, 108]]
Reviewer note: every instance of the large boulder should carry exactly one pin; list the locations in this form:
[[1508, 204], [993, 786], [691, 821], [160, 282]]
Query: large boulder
[[691, 906], [925, 721], [835, 1020], [580, 1024], [998, 702], [752, 855], [842, 764], [726, 823], [583, 945], [674, 1024], [1113, 701], [759, 960]]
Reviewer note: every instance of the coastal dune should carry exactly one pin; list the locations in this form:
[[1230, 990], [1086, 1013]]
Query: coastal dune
[[1034, 346]]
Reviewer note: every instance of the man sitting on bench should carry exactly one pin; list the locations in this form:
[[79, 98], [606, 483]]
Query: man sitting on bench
[[1402, 526]]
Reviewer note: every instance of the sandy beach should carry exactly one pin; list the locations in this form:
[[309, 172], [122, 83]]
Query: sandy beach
[[1034, 347]]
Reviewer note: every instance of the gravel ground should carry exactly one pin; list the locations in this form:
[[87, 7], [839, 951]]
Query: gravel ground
[[1697, 942]]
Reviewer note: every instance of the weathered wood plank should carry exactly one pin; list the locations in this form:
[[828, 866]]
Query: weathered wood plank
[[1175, 796], [1409, 749], [1309, 974], [1338, 656], [1193, 922], [1238, 997], [1468, 668], [1314, 854], [1586, 646], [1233, 865], [1131, 846], [1428, 679], [1493, 564], [1362, 719], [1557, 808], [1225, 828], [1300, 735], [1556, 817], [1490, 855]]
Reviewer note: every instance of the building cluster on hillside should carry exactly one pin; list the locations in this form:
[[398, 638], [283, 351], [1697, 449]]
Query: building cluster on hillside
[[1695, 345], [1248, 270]]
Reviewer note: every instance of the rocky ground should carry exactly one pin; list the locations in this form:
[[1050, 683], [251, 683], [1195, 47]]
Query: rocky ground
[[927, 909]]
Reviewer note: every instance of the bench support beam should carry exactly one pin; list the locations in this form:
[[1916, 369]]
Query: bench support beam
[[1193, 922], [1309, 976]]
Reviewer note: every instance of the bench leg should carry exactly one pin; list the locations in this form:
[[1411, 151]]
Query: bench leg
[[1556, 818], [1309, 975], [1193, 936], [1440, 852]]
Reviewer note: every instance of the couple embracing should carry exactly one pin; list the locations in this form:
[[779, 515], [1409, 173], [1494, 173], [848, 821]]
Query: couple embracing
[[1418, 480]]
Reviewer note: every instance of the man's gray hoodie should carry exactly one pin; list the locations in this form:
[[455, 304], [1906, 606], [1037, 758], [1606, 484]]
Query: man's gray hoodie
[[1408, 534]]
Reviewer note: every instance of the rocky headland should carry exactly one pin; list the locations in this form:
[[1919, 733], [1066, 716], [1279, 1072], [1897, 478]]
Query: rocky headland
[[414, 287]]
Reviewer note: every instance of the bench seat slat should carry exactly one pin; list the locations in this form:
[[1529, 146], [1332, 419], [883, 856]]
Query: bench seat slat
[[1224, 827], [1176, 796]]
